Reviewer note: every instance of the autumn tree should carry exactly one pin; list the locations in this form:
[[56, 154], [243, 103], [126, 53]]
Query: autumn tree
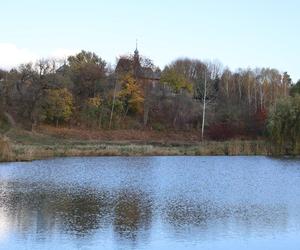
[[180, 86], [87, 72], [131, 95], [191, 94], [286, 83], [176, 81], [93, 110], [27, 87], [58, 105]]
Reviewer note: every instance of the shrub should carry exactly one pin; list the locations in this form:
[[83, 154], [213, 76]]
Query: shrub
[[158, 126], [284, 126], [221, 131]]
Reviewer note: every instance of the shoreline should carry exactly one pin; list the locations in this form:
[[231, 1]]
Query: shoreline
[[48, 142], [30, 152]]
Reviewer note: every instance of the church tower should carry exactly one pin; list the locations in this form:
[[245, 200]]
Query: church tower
[[136, 61]]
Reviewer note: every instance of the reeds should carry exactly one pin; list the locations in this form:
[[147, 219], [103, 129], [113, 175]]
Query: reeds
[[34, 152], [5, 149]]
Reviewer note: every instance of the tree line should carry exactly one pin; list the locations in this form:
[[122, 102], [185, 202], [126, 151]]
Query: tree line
[[85, 91]]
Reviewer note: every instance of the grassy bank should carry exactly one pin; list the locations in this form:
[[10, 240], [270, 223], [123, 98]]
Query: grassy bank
[[26, 146]]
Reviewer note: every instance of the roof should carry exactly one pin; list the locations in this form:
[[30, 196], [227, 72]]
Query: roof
[[124, 65], [127, 65], [149, 73]]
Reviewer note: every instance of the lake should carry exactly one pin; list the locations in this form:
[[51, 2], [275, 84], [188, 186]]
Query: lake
[[150, 203]]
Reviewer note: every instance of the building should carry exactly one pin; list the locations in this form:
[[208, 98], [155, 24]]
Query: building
[[144, 74]]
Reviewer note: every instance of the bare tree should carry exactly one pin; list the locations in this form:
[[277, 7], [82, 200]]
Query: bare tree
[[204, 105], [113, 105], [207, 90]]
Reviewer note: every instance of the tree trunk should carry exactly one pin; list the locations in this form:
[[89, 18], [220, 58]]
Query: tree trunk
[[146, 113], [261, 97], [147, 89], [33, 121], [100, 119], [204, 107], [113, 106], [126, 112]]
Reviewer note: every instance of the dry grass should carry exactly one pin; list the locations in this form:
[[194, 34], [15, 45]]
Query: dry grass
[[33, 152], [6, 153], [27, 146], [121, 135]]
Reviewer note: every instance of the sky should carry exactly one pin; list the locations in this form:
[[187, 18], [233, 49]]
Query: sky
[[238, 33]]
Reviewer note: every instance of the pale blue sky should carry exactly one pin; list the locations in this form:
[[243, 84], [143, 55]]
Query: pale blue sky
[[238, 33]]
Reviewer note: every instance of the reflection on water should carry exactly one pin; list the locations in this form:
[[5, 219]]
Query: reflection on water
[[79, 213], [150, 203], [207, 217]]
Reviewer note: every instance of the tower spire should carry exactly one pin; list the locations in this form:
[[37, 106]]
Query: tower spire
[[136, 44], [136, 59], [136, 52]]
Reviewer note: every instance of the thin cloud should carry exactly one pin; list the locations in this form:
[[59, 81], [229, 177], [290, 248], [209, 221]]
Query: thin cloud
[[11, 55]]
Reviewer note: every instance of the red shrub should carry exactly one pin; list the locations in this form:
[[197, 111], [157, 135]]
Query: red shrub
[[258, 123], [221, 131]]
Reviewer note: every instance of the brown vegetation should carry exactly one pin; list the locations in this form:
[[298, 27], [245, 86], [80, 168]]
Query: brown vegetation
[[6, 153], [27, 146], [121, 135], [86, 148], [82, 106]]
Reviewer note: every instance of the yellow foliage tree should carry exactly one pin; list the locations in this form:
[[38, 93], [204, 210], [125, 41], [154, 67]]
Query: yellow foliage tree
[[131, 95], [58, 105], [176, 81]]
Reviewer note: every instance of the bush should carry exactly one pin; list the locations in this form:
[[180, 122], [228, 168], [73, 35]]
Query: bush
[[158, 126], [222, 131], [284, 126]]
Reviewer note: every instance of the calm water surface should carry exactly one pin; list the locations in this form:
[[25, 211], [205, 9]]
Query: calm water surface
[[151, 203]]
